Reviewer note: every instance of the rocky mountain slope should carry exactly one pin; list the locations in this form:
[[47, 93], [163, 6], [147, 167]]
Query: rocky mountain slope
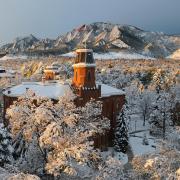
[[175, 55], [101, 37]]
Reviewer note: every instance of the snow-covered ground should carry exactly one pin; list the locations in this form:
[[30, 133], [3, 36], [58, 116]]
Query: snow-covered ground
[[136, 142], [137, 133], [113, 55]]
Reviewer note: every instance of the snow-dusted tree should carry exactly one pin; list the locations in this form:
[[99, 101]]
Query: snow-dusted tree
[[160, 117], [6, 149], [72, 137], [161, 165], [145, 106], [62, 133], [175, 93], [112, 169], [158, 80], [133, 95], [121, 131]]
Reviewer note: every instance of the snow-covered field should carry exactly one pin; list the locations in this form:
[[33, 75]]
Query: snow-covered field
[[137, 132], [113, 55], [11, 57], [99, 56], [136, 142]]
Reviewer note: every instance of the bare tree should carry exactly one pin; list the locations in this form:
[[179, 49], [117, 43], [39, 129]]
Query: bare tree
[[145, 106]]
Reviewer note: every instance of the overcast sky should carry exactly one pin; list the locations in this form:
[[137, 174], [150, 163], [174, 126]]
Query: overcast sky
[[50, 18]]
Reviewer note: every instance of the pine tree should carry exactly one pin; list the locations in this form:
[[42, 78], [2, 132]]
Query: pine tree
[[160, 116], [121, 133], [6, 149]]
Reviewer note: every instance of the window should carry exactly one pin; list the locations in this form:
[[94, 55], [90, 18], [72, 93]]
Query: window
[[89, 76], [89, 58], [77, 58], [76, 75], [82, 57], [117, 106]]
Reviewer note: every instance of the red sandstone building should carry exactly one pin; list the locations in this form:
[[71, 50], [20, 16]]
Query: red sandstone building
[[84, 85]]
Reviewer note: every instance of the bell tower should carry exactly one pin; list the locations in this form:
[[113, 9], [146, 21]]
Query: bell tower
[[84, 69], [84, 80]]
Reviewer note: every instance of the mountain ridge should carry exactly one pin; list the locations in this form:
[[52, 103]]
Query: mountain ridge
[[101, 37]]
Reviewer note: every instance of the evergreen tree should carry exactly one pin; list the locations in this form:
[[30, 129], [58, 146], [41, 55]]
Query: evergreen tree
[[6, 149], [160, 117], [121, 133]]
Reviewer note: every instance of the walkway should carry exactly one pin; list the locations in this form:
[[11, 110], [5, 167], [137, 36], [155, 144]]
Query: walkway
[[128, 165]]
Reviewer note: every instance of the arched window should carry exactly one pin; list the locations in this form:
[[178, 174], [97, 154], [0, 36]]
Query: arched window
[[89, 76]]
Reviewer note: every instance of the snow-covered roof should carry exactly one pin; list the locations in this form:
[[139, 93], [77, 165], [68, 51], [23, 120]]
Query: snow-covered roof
[[54, 89], [51, 90], [84, 50], [84, 65], [107, 91]]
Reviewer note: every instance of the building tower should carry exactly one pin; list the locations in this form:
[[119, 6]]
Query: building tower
[[84, 81]]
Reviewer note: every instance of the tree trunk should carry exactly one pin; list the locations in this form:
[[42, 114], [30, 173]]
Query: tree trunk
[[144, 120]]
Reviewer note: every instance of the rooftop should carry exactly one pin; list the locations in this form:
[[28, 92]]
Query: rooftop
[[84, 50], [54, 89], [51, 90], [107, 91]]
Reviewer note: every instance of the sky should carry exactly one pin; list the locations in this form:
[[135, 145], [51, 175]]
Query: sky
[[51, 18]]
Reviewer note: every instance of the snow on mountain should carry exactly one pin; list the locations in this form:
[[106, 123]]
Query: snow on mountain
[[175, 55], [113, 55], [101, 37], [20, 44]]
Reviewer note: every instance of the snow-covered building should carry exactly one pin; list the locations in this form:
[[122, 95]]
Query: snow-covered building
[[6, 73], [50, 72], [85, 87]]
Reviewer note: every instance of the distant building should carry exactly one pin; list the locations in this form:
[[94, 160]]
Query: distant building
[[6, 74], [50, 72], [84, 85]]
